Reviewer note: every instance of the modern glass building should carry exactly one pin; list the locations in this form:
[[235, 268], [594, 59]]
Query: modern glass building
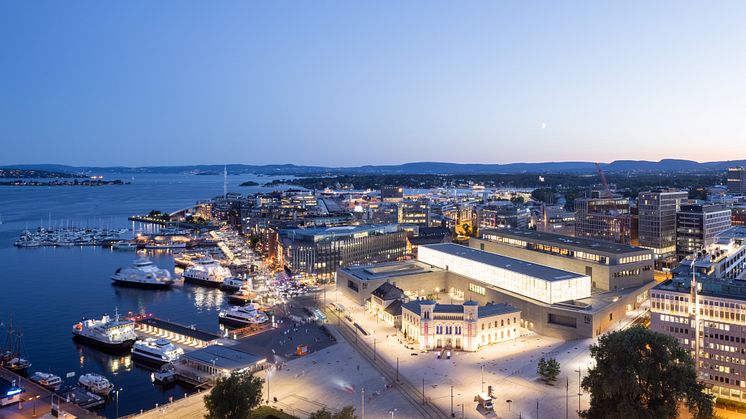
[[606, 219], [697, 225], [657, 223], [319, 252]]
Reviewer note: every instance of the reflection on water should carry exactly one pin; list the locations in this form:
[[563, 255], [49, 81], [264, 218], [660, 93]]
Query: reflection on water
[[206, 299], [92, 359]]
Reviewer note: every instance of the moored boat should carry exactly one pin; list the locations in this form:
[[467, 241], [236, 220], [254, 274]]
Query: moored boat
[[96, 383]]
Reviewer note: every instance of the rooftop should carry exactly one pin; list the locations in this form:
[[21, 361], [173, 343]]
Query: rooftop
[[387, 270], [224, 357], [388, 291], [180, 329], [482, 311], [503, 262], [580, 243], [321, 233]]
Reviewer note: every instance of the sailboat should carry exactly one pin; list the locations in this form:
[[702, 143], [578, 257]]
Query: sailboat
[[11, 357]]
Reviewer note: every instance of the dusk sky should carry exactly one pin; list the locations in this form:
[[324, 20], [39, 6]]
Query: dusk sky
[[376, 82]]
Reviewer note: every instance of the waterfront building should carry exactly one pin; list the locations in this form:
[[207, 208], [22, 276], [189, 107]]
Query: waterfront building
[[697, 225], [604, 218], [610, 266], [319, 252], [466, 326], [657, 223], [508, 216], [736, 180], [10, 392], [212, 362]]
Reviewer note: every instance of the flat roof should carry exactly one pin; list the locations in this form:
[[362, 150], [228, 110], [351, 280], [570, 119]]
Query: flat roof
[[387, 270], [224, 357], [340, 231], [581, 243], [534, 270], [178, 328]]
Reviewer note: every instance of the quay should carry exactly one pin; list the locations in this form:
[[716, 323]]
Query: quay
[[177, 333], [36, 401]]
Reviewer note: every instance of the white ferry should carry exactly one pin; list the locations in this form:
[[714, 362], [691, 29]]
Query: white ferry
[[156, 350], [206, 272], [106, 333], [144, 274]]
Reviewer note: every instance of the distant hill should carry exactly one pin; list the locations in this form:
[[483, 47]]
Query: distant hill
[[621, 166]]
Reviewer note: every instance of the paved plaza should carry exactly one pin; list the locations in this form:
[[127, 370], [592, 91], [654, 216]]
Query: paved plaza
[[509, 367]]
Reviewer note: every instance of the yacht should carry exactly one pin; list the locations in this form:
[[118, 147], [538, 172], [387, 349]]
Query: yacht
[[234, 284], [165, 375], [107, 333], [143, 274], [206, 271], [242, 316], [96, 383], [158, 350], [47, 380], [124, 246]]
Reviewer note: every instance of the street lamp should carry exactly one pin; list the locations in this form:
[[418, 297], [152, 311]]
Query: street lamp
[[392, 413], [116, 394], [508, 402], [579, 392]]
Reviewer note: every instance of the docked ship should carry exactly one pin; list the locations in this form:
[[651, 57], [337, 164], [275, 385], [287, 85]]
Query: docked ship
[[207, 272], [113, 334], [96, 383], [233, 283], [144, 274], [242, 316], [47, 380], [11, 356], [123, 245], [156, 350]]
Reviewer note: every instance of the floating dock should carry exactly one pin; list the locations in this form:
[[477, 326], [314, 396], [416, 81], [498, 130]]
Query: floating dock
[[83, 398]]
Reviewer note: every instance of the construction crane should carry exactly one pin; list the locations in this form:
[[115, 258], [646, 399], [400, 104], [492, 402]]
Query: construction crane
[[607, 191]]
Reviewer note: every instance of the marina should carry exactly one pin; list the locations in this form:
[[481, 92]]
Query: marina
[[86, 272]]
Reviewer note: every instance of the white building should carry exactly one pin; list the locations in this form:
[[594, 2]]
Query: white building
[[539, 282], [465, 326]]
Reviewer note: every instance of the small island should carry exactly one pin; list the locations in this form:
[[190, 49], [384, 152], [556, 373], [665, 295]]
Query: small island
[[249, 183]]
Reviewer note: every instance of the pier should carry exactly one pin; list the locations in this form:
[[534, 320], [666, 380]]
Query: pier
[[178, 333], [37, 401]]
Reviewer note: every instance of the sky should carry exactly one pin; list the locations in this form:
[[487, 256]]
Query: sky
[[346, 83]]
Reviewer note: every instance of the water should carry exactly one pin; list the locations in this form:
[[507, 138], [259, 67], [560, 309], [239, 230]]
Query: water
[[47, 290]]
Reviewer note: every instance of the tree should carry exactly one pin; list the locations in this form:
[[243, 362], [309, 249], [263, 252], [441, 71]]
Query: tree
[[545, 195], [643, 374], [347, 412], [234, 396], [548, 369], [517, 200]]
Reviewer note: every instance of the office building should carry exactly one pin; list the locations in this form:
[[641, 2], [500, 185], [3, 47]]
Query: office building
[[319, 252], [725, 258], [503, 216], [706, 313], [392, 193], [736, 178], [414, 212], [697, 225], [466, 326], [556, 219], [610, 266], [657, 223], [606, 219], [738, 215]]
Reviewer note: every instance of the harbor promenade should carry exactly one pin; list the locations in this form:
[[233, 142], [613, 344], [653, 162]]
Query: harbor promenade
[[37, 401]]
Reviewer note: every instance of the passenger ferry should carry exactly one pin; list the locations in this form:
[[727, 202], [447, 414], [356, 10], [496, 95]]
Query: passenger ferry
[[156, 350], [242, 316], [234, 284], [144, 274], [106, 333], [206, 272], [96, 383]]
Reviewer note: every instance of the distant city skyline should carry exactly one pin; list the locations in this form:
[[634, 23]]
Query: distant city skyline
[[348, 84]]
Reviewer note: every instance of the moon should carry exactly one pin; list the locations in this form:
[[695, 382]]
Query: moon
[[543, 125]]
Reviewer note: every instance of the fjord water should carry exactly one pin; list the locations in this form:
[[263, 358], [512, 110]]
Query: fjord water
[[46, 290]]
